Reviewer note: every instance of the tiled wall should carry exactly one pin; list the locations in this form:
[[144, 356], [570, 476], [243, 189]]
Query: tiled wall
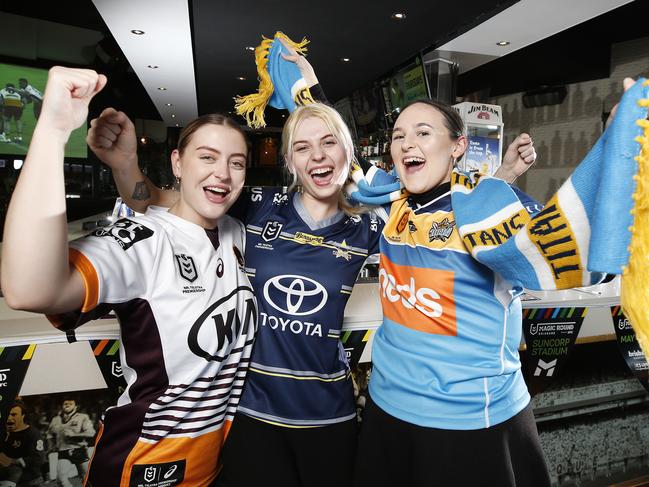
[[564, 133]]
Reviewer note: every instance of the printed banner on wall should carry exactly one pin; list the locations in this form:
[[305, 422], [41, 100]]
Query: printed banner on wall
[[550, 335], [14, 362], [107, 354], [629, 347], [355, 342]]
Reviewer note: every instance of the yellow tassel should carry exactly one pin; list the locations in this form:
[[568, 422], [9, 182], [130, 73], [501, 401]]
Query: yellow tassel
[[252, 106], [635, 278]]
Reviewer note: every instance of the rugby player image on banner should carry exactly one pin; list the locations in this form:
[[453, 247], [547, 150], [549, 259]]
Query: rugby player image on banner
[[549, 335], [629, 346], [14, 362], [21, 449]]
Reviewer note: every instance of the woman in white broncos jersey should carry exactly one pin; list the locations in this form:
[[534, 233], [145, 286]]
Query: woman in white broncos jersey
[[170, 276]]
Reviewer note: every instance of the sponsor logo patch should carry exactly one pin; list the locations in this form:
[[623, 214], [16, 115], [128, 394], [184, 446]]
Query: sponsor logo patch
[[216, 332], [280, 199], [307, 238], [408, 300], [295, 295], [125, 232], [158, 474], [403, 222]]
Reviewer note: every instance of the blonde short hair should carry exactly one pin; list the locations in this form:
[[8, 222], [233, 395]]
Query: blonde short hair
[[338, 129]]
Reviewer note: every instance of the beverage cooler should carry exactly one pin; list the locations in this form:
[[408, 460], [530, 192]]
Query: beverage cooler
[[484, 129]]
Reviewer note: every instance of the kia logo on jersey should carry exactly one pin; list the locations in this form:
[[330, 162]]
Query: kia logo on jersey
[[216, 332], [295, 295]]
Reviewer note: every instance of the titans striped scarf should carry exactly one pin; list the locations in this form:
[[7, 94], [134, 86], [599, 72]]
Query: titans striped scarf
[[281, 84], [597, 223], [583, 231]]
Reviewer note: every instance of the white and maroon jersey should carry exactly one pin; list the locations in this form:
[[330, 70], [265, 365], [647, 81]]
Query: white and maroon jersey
[[71, 431], [187, 319], [31, 94]]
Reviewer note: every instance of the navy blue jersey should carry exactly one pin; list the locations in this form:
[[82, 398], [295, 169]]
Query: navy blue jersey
[[302, 273]]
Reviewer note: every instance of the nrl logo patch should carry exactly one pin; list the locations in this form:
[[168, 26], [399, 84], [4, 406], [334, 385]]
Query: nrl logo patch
[[186, 267], [271, 230], [116, 369], [441, 230]]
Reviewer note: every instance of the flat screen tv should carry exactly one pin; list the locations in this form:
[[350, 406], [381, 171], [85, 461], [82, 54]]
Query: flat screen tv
[[21, 90]]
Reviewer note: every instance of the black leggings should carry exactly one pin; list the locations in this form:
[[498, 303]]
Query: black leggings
[[393, 452], [261, 454]]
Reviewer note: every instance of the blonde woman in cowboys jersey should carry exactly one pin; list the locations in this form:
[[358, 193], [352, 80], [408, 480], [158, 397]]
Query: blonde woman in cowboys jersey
[[297, 417], [175, 280]]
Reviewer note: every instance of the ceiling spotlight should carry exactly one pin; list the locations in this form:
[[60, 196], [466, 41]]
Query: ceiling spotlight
[[143, 140], [152, 66], [345, 59], [250, 48], [162, 88], [173, 115], [241, 78], [399, 16], [503, 43], [169, 104], [177, 125], [137, 32]]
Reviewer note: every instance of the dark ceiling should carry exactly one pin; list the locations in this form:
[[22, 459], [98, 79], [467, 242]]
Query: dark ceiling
[[361, 31], [581, 53]]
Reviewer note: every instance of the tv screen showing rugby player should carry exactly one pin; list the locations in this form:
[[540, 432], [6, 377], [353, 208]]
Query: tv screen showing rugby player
[[21, 98]]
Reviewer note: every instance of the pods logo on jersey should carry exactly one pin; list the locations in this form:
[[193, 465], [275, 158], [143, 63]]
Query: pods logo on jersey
[[126, 232], [223, 327], [418, 298]]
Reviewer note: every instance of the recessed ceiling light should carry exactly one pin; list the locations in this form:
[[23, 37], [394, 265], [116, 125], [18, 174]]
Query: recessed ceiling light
[[169, 104], [137, 32], [399, 16], [152, 66], [241, 78], [250, 48], [177, 125], [345, 59], [503, 43], [173, 115], [162, 88], [143, 140]]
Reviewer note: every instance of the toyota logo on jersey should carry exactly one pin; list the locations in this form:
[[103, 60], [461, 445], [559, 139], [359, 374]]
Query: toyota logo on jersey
[[216, 332], [295, 295]]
